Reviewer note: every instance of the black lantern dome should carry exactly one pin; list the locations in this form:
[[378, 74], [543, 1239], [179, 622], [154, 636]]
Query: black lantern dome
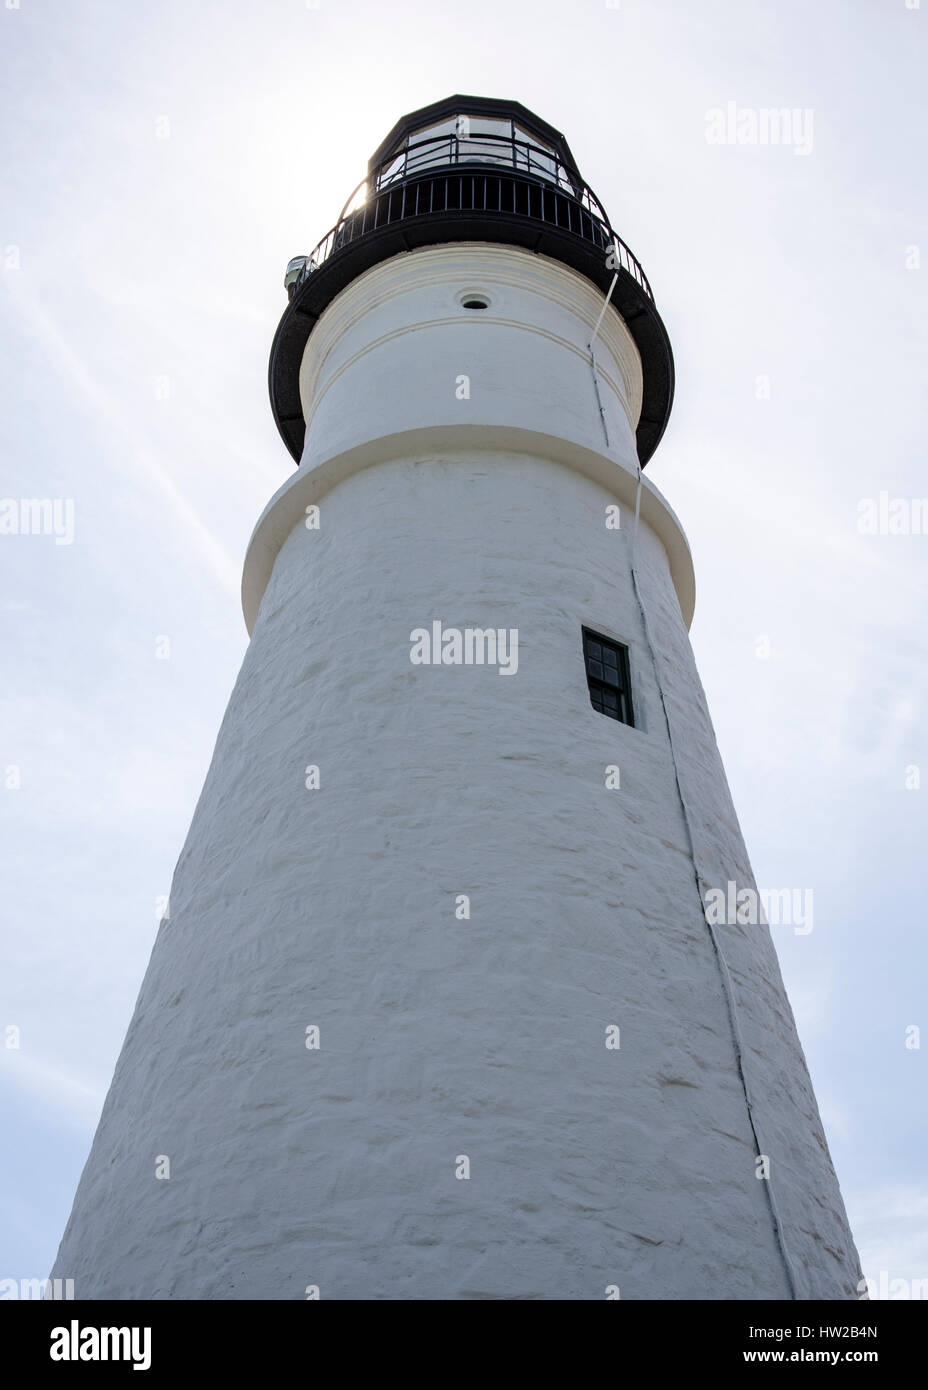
[[471, 169]]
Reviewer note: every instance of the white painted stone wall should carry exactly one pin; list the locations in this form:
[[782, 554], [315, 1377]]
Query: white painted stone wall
[[335, 907], [387, 354]]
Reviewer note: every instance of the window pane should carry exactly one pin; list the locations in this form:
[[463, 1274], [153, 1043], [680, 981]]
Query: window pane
[[428, 132], [490, 125], [540, 163], [392, 170], [486, 151], [607, 676], [530, 139]]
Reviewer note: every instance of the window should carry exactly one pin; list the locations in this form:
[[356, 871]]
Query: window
[[449, 126], [489, 125], [608, 677], [395, 169]]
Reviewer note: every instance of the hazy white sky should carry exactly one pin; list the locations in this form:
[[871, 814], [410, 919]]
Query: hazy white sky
[[159, 166]]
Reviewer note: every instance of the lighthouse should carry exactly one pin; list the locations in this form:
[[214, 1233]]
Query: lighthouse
[[455, 997]]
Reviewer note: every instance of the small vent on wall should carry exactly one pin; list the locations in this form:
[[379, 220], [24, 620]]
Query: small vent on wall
[[474, 299]]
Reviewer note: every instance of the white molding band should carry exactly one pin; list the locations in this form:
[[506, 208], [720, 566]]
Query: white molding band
[[287, 508]]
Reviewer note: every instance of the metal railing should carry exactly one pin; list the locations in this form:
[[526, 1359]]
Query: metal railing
[[507, 151], [472, 174]]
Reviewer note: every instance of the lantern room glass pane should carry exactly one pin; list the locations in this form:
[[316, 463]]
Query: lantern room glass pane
[[489, 125], [428, 132], [528, 138], [485, 151], [393, 170], [467, 139], [535, 156]]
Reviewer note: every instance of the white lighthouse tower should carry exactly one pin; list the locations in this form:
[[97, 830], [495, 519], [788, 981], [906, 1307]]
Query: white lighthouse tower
[[438, 1011]]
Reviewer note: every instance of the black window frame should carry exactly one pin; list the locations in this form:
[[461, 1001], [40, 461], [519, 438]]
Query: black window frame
[[611, 697]]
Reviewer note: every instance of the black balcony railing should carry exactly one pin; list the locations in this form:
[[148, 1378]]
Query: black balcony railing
[[450, 174], [505, 150]]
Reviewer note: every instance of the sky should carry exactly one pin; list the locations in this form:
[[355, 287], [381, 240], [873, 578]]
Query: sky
[[159, 165]]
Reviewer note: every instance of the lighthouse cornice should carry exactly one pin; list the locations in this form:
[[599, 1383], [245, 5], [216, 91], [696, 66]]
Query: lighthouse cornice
[[287, 508]]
